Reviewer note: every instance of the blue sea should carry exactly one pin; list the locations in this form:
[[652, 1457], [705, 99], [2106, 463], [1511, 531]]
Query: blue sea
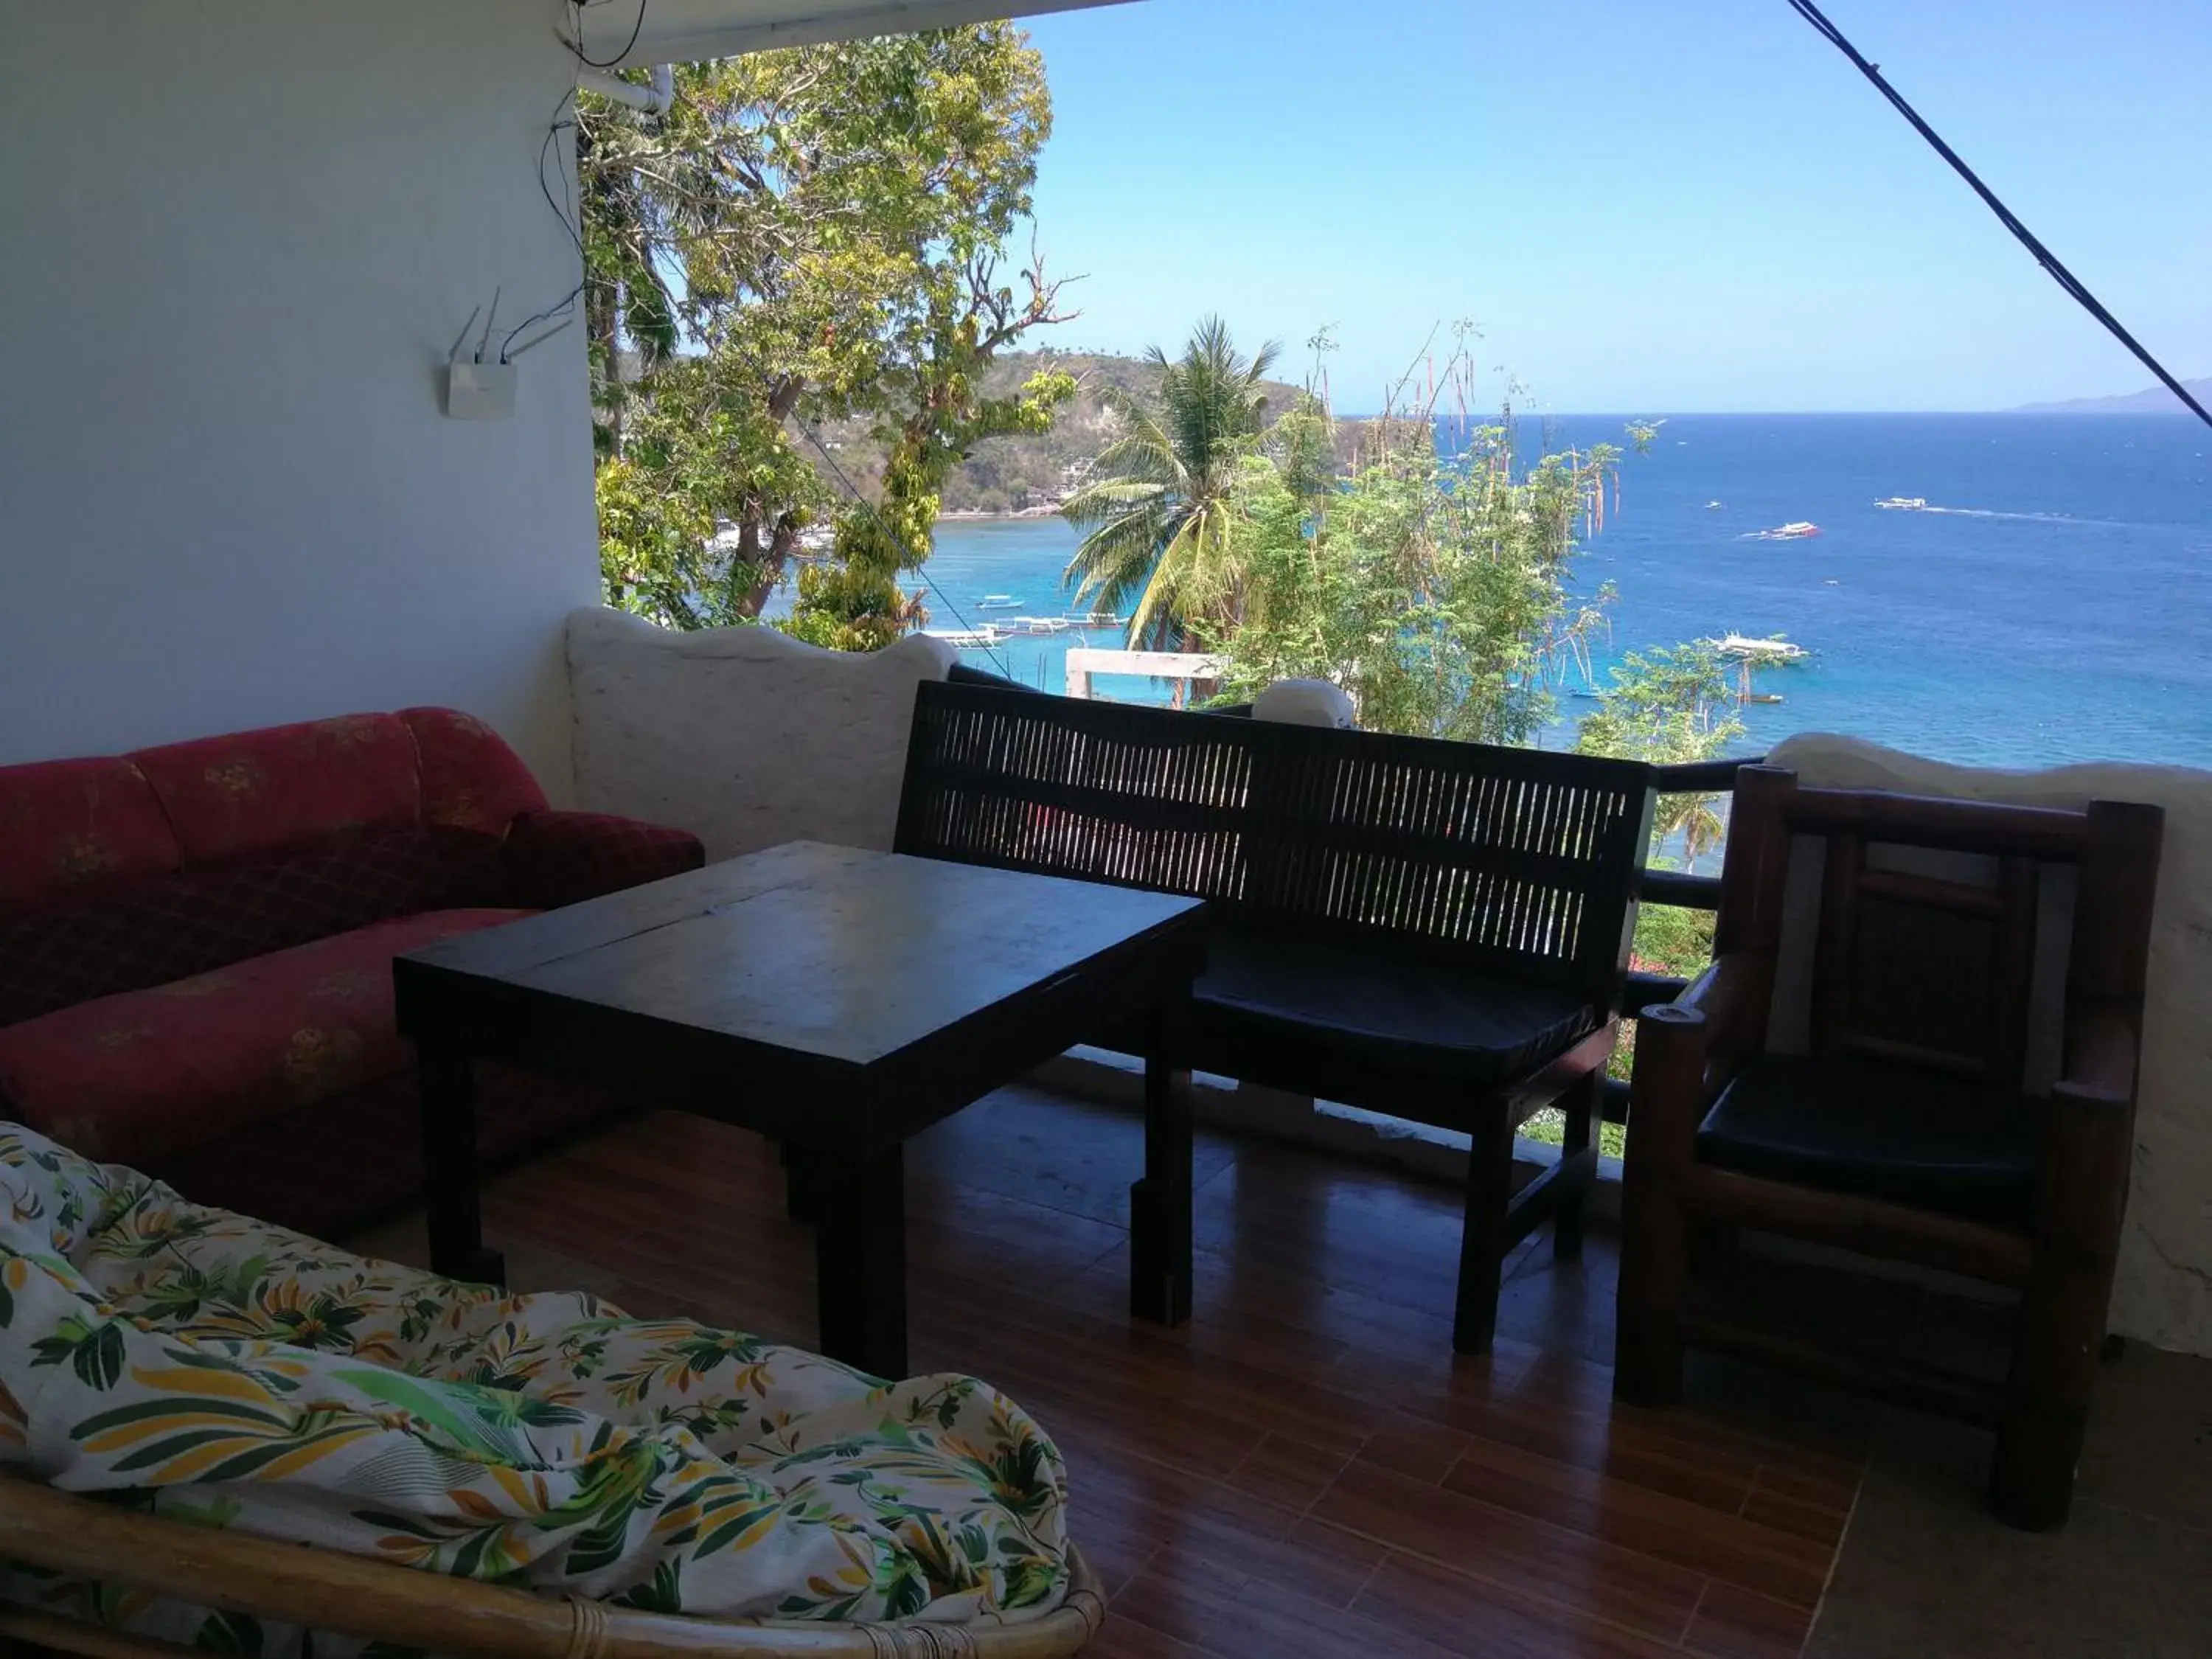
[[2054, 603]]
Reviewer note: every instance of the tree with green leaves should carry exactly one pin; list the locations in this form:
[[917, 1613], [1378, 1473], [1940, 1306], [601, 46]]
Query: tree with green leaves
[[937, 417], [1159, 504], [1437, 589], [825, 229], [1669, 706], [696, 452]]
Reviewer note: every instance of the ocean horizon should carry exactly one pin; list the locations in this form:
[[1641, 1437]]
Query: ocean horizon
[[2052, 604]]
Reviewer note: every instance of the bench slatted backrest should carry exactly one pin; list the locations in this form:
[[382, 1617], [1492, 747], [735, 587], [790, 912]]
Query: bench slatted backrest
[[1506, 859]]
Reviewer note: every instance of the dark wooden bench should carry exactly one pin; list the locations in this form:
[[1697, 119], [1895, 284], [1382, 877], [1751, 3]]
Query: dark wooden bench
[[1438, 931]]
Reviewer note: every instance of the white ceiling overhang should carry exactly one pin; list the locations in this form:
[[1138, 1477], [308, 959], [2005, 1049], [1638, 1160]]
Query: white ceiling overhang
[[685, 31]]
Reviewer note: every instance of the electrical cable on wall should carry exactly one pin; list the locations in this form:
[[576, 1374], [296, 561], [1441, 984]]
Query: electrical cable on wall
[[576, 46], [568, 220], [2044, 256]]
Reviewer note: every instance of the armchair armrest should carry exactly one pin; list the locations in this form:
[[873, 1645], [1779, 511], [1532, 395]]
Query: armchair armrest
[[2088, 1144], [1732, 995], [1666, 1088], [561, 858], [1685, 1049], [2101, 1061]]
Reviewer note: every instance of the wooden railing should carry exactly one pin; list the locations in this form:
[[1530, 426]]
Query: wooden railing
[[1672, 887]]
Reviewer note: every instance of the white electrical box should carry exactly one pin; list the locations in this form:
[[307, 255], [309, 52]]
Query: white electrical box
[[479, 391]]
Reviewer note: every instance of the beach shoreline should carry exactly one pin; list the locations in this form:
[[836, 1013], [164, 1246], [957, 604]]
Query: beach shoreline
[[973, 515]]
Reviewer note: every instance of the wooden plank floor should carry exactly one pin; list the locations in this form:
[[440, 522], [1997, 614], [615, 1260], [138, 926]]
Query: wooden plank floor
[[1303, 1469]]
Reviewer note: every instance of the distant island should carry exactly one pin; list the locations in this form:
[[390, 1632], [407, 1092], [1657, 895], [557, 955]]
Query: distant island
[[2151, 400]]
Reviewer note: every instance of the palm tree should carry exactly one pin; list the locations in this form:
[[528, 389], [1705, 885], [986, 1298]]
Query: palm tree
[[1157, 503]]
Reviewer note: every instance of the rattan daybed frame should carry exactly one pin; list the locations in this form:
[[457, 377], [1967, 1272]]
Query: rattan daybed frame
[[299, 1584]]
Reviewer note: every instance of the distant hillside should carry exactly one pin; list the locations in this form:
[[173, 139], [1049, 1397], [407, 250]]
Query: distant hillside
[[1013, 475], [1030, 475], [2151, 400]]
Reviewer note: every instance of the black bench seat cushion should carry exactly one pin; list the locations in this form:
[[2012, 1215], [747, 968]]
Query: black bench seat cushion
[[1382, 1009], [1859, 1125]]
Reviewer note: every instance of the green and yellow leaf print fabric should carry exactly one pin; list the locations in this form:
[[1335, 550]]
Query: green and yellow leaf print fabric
[[221, 1371]]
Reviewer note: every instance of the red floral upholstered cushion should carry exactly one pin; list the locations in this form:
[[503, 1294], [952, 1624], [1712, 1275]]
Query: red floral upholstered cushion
[[71, 828], [471, 779], [138, 1076], [174, 927], [256, 792], [563, 857]]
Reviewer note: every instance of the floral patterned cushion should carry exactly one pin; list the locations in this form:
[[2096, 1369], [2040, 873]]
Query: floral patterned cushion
[[230, 1373]]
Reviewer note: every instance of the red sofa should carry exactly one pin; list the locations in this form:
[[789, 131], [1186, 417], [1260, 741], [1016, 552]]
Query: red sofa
[[196, 946]]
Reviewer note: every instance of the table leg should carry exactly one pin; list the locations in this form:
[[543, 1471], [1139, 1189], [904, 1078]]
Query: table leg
[[1159, 1205], [860, 1259], [447, 1074], [802, 1181]]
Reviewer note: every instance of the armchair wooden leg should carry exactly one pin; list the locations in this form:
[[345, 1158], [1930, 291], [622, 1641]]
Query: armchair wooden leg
[[2031, 1477], [2081, 1199], [1654, 1242], [2039, 1449], [1482, 1233], [1647, 1362], [2054, 1368]]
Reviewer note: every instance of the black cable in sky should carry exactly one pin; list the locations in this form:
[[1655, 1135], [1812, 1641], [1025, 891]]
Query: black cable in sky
[[2044, 256]]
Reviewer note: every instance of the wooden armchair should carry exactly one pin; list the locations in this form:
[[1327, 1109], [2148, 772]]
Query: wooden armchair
[[1912, 1128]]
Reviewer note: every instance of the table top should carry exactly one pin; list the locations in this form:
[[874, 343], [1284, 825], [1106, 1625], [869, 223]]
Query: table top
[[833, 953]]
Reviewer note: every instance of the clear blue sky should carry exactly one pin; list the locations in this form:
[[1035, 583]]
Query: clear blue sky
[[1648, 207]]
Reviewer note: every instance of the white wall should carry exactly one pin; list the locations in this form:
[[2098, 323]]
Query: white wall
[[744, 735], [236, 239]]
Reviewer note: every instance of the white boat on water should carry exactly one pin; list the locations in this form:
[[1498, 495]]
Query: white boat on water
[[1745, 647], [1037, 624], [1904, 503], [970, 638], [1796, 530], [998, 602]]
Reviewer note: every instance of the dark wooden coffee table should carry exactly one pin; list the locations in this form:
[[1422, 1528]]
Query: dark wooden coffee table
[[837, 1000]]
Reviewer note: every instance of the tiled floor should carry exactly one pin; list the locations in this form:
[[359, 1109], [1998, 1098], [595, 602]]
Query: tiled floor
[[1305, 1468], [1928, 1571]]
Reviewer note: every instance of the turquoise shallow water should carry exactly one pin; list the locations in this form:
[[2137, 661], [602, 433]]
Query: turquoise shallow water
[[2057, 608]]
